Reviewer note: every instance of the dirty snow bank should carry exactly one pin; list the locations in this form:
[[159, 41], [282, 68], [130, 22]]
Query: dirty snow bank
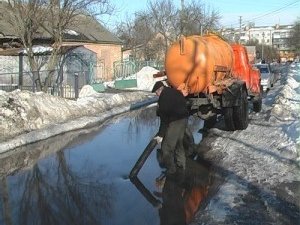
[[286, 107], [27, 117], [258, 163]]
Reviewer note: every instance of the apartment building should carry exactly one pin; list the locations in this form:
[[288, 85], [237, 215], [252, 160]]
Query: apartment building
[[276, 36]]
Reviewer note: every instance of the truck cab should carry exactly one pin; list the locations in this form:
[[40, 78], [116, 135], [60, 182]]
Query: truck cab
[[243, 70]]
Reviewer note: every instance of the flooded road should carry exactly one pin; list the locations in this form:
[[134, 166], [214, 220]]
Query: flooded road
[[81, 177]]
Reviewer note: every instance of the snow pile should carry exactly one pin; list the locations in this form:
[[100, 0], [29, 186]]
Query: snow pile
[[258, 160], [287, 105], [109, 84], [145, 80], [36, 116], [87, 90], [292, 82], [38, 49]]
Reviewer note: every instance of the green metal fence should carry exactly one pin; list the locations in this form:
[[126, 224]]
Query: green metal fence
[[125, 72], [126, 69]]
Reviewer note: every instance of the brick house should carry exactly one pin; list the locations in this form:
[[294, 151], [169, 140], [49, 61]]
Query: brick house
[[87, 32], [95, 37]]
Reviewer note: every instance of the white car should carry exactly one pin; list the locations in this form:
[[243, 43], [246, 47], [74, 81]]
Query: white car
[[267, 76]]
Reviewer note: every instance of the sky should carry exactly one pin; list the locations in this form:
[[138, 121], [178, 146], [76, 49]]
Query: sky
[[261, 12]]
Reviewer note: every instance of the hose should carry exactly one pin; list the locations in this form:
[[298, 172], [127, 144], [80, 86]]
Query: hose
[[140, 162]]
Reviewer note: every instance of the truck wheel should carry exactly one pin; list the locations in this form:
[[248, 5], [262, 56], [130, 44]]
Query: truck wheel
[[241, 113], [228, 117], [257, 103], [209, 123]]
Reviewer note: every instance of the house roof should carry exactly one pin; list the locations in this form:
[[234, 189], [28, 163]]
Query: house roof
[[92, 30], [38, 50], [85, 29]]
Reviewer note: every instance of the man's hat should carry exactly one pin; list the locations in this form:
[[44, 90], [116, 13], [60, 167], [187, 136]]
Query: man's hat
[[157, 85]]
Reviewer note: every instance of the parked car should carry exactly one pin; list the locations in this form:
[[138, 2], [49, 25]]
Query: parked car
[[267, 76]]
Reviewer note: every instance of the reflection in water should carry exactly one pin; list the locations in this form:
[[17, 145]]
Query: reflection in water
[[56, 195], [28, 155], [182, 196], [140, 120], [42, 183], [77, 177], [5, 207], [146, 193]]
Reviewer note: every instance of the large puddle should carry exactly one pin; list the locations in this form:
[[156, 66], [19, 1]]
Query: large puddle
[[82, 178]]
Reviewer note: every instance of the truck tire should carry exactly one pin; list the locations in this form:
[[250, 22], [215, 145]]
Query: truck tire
[[241, 112], [210, 122], [257, 103], [228, 117]]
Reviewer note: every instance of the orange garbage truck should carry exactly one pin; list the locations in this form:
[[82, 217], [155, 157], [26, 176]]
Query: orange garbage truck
[[217, 77]]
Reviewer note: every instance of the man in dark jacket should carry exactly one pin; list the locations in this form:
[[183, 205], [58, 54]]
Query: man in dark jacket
[[173, 113]]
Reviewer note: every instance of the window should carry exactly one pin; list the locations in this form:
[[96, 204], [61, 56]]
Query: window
[[264, 70], [283, 34]]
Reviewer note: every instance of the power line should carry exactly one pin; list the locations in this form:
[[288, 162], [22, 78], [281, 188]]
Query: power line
[[266, 14], [258, 17]]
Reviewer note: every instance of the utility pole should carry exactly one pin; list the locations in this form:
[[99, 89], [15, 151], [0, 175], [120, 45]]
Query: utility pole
[[240, 29], [181, 17], [262, 46]]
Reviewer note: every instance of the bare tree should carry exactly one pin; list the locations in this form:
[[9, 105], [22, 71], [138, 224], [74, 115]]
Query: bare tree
[[25, 19], [295, 37], [32, 19], [270, 53], [199, 18], [143, 30], [164, 17], [163, 23], [124, 31], [64, 14], [191, 19], [203, 17], [137, 35]]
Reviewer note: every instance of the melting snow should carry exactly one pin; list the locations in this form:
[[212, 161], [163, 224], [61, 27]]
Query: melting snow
[[264, 155], [38, 49]]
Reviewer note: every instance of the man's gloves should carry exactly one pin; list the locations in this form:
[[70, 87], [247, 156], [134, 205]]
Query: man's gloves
[[158, 139]]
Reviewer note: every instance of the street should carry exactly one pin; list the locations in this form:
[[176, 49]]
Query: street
[[81, 177]]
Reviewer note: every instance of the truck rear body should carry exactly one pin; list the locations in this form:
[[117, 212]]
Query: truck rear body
[[217, 77]]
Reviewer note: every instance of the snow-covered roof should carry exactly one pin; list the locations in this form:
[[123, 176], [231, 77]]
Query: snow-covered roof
[[38, 50]]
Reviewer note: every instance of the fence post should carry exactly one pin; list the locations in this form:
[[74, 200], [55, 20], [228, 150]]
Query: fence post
[[34, 81], [61, 80], [20, 71], [76, 85]]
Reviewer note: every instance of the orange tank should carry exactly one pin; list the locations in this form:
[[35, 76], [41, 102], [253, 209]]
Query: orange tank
[[198, 63]]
